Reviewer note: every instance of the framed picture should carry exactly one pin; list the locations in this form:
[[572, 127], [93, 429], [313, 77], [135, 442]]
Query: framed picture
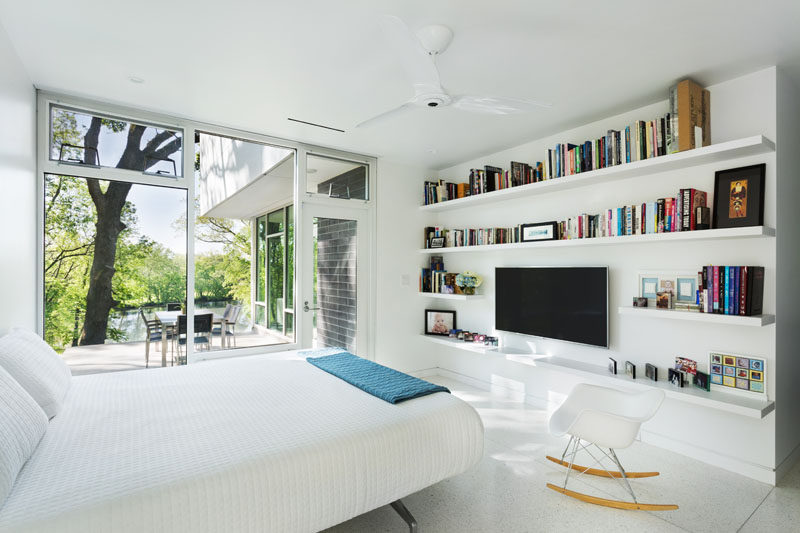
[[439, 322], [675, 377], [686, 289], [738, 373], [630, 370], [739, 197], [701, 381], [685, 365], [681, 286], [437, 242], [544, 231], [648, 287]]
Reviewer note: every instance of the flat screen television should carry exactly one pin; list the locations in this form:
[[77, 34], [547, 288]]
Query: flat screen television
[[564, 303]]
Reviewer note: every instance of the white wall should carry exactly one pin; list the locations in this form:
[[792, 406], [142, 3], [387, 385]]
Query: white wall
[[18, 200], [741, 107], [399, 308], [787, 412]]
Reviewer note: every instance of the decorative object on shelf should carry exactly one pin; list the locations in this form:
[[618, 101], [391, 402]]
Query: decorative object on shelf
[[739, 197], [439, 322], [437, 242], [468, 337], [468, 281], [612, 366], [685, 365], [702, 217], [686, 289], [738, 372], [675, 377], [639, 302], [651, 371], [542, 231], [454, 333], [630, 370], [648, 286], [664, 300], [701, 381]]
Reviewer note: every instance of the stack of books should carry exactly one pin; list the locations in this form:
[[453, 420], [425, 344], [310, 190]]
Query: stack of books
[[436, 279]]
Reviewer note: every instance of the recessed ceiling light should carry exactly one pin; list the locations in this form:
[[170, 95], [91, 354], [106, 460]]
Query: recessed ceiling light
[[311, 170], [136, 79]]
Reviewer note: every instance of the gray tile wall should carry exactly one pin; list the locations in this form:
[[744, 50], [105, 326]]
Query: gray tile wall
[[336, 283]]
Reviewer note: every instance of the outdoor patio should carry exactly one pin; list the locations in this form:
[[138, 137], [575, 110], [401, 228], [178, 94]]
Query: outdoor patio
[[130, 355]]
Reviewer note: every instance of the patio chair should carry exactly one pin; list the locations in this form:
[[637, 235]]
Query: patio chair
[[230, 323], [202, 333], [153, 334], [174, 306]]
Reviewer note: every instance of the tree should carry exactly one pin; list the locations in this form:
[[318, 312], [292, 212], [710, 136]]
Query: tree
[[109, 205]]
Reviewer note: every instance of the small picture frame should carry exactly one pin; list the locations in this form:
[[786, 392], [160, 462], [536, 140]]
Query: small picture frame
[[543, 231], [437, 242], [612, 366], [686, 365], [702, 381], [742, 374], [686, 289], [739, 197], [439, 322], [675, 377], [630, 370], [651, 371], [648, 286], [639, 301]]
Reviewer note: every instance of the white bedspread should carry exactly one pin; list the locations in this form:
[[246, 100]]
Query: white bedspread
[[245, 444]]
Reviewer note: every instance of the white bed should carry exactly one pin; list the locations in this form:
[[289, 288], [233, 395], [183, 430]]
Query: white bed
[[244, 444]]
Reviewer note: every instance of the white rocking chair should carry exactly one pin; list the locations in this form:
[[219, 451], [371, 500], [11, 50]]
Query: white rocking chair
[[604, 418]]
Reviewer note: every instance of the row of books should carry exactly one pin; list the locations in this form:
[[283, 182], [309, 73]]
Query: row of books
[[685, 212], [685, 126], [436, 279], [731, 290]]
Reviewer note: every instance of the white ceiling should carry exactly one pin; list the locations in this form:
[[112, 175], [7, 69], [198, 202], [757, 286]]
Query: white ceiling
[[251, 64]]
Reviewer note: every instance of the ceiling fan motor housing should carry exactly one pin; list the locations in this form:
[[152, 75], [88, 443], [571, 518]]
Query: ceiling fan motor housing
[[433, 100]]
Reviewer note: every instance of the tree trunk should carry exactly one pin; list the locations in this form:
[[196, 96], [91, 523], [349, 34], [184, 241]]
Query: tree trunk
[[99, 298]]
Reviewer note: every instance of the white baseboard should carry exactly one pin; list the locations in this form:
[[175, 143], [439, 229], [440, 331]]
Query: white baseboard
[[712, 457]]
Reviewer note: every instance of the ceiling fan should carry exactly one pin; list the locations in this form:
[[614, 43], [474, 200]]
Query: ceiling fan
[[418, 55]]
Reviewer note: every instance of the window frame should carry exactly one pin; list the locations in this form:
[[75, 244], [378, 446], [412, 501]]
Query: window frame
[[46, 99]]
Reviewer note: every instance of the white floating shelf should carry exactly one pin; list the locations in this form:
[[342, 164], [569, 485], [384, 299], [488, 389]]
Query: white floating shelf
[[715, 399], [732, 403], [748, 146], [451, 296], [671, 314], [473, 347], [699, 235]]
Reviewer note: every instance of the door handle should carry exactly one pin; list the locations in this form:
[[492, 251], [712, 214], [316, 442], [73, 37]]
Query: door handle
[[306, 308]]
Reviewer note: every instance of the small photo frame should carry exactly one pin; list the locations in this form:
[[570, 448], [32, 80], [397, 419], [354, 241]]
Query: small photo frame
[[686, 365], [675, 377], [543, 231], [740, 374], [648, 287], [630, 370], [686, 289], [739, 197], [437, 242], [439, 322], [702, 381]]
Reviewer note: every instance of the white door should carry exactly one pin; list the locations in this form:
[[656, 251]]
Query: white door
[[333, 292]]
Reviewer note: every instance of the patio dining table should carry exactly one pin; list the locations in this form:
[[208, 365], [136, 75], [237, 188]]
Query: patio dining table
[[169, 320]]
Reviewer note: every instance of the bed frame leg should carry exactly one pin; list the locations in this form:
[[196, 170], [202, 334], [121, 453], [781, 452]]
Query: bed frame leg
[[401, 509]]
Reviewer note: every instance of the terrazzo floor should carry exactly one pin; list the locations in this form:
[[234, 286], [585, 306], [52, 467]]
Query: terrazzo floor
[[506, 491]]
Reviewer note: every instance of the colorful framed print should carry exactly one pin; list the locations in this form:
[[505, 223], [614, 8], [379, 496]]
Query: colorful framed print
[[686, 289], [543, 231], [739, 197], [738, 373], [688, 366], [439, 322]]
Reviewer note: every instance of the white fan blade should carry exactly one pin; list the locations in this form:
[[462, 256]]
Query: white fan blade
[[383, 116], [415, 61], [496, 105]]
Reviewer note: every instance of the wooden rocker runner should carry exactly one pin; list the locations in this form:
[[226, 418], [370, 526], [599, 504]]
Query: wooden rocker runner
[[604, 418]]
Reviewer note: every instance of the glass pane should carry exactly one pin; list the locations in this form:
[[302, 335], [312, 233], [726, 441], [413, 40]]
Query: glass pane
[[261, 247], [336, 178], [289, 323], [275, 222], [141, 231], [235, 182], [335, 283], [290, 258], [275, 301], [82, 138]]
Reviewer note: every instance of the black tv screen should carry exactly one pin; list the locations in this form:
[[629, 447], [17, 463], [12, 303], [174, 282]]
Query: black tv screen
[[564, 303]]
